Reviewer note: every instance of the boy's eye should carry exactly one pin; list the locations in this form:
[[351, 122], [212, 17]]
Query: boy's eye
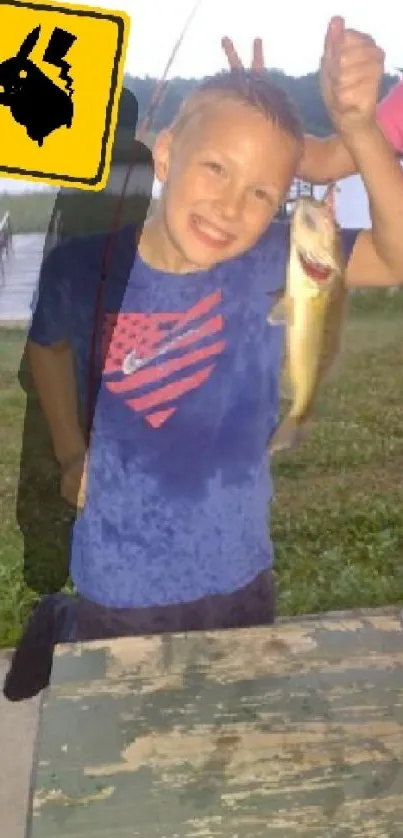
[[214, 167], [262, 195]]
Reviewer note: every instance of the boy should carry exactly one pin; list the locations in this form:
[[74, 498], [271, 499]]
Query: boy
[[173, 532]]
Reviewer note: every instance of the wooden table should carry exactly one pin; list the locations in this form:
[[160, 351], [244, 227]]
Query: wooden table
[[295, 730]]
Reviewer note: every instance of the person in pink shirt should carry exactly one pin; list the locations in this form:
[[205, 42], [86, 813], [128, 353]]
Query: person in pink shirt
[[390, 117]]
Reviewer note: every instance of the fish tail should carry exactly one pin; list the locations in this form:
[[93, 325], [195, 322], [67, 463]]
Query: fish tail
[[285, 436]]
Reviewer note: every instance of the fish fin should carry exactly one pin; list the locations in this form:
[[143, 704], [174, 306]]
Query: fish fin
[[285, 436], [305, 427], [289, 434], [281, 312]]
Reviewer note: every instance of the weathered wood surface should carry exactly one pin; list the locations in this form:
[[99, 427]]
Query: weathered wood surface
[[295, 730]]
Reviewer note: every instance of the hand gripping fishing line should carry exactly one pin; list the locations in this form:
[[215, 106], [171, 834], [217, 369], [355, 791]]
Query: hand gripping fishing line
[[145, 126]]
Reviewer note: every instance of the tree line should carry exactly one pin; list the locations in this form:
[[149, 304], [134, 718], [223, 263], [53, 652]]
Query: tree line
[[302, 89]]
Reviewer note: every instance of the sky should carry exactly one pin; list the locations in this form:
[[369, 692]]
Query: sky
[[292, 34]]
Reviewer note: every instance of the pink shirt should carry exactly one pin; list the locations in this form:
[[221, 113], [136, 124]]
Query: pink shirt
[[390, 116]]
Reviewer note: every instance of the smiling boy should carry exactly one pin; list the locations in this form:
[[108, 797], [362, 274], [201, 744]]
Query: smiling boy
[[173, 533]]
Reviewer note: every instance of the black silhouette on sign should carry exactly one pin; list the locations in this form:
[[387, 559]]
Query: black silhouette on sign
[[34, 100]]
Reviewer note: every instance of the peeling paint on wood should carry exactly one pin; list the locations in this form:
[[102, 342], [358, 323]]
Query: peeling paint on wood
[[291, 730]]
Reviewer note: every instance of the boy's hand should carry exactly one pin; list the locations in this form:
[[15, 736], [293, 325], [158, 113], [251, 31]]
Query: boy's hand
[[351, 70], [73, 483], [234, 60]]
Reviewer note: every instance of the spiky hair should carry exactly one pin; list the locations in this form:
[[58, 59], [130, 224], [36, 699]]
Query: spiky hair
[[250, 87]]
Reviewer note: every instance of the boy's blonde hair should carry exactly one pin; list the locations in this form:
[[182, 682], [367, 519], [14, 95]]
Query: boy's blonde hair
[[250, 87]]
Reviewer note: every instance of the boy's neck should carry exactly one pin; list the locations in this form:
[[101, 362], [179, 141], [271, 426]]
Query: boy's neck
[[158, 252]]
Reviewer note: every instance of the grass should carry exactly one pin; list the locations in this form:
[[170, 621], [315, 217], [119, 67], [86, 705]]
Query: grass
[[337, 517], [30, 212], [85, 212]]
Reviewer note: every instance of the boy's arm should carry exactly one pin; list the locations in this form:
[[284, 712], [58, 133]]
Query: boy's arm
[[54, 379], [377, 258], [51, 360], [351, 69], [325, 159], [328, 159]]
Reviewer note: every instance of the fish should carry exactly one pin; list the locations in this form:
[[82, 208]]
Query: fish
[[312, 308]]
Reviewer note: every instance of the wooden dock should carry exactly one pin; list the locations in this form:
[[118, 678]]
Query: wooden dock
[[20, 278]]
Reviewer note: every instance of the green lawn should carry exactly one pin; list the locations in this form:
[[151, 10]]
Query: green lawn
[[82, 212], [30, 212], [337, 514]]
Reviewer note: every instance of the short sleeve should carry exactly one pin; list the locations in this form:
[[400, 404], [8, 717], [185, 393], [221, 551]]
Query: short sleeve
[[50, 303], [390, 116], [349, 238]]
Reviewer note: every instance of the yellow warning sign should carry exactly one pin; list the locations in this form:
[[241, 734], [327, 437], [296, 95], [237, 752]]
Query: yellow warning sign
[[61, 76]]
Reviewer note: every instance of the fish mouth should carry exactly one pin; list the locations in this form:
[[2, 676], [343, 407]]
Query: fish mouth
[[315, 270]]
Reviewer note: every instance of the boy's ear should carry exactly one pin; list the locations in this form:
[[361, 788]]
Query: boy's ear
[[162, 154]]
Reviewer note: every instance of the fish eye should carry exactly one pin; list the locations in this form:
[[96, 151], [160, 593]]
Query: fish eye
[[309, 221]]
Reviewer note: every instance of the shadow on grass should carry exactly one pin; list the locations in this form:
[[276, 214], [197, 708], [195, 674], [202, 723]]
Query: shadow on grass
[[44, 518]]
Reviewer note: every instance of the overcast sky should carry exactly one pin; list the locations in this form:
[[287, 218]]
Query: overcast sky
[[292, 31]]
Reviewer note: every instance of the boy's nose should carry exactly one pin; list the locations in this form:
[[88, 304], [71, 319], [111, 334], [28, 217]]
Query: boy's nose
[[231, 203]]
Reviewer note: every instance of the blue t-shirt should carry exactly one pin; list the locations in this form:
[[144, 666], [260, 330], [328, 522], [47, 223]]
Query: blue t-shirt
[[179, 482]]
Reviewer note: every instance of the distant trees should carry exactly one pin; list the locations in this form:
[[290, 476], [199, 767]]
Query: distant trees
[[302, 89]]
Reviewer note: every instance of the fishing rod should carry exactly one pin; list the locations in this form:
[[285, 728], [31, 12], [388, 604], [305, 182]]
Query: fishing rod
[[155, 102], [161, 86]]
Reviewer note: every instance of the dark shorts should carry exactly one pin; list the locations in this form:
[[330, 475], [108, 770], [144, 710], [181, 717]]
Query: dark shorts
[[250, 606], [64, 618]]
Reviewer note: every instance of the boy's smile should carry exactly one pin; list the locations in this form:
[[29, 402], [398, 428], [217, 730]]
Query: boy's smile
[[210, 234], [225, 173]]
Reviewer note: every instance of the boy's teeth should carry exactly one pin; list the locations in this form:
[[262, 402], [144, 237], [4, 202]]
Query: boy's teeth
[[210, 231]]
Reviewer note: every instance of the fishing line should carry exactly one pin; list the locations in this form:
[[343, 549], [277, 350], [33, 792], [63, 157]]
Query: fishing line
[[145, 126]]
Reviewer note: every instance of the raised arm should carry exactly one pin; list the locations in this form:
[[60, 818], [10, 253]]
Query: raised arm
[[327, 159], [351, 71]]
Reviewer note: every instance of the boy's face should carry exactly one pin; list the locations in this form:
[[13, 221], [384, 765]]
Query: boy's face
[[225, 175]]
